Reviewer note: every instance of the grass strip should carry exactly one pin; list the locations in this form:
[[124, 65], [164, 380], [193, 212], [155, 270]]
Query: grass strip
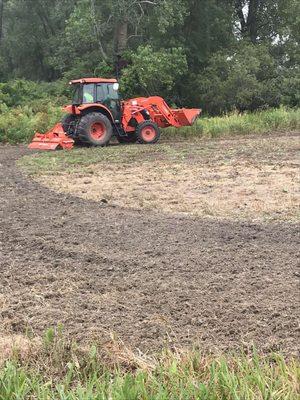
[[17, 125], [58, 369]]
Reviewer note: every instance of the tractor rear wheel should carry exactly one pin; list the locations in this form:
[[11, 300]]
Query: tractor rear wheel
[[147, 132], [94, 129]]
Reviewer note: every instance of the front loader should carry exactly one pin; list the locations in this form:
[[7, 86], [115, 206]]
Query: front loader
[[97, 113]]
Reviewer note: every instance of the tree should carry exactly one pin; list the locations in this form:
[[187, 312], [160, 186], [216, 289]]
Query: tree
[[164, 47], [246, 79], [258, 20], [1, 19], [153, 72]]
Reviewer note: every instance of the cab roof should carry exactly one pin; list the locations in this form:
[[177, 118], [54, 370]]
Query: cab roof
[[93, 80]]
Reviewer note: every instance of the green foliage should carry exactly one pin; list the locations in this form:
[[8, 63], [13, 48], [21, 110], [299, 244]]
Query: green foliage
[[169, 14], [246, 79], [258, 122], [27, 107], [64, 372], [218, 54], [290, 87], [21, 92], [18, 125], [31, 31], [153, 72]]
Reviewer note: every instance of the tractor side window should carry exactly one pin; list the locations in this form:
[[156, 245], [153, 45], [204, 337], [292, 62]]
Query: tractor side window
[[106, 93], [88, 93], [109, 97], [113, 94]]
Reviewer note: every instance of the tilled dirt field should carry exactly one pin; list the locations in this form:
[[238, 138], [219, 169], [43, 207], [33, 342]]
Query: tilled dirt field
[[150, 279], [250, 178]]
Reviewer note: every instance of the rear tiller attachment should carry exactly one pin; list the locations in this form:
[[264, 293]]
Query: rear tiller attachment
[[53, 139]]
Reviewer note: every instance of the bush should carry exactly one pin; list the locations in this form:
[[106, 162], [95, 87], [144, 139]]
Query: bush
[[18, 125], [27, 107], [22, 92]]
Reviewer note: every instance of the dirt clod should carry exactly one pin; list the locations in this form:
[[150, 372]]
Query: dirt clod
[[149, 278]]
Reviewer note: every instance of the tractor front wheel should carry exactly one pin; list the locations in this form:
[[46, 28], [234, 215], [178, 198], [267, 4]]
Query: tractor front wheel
[[147, 132], [94, 129]]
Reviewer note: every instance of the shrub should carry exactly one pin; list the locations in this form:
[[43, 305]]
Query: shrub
[[27, 107], [21, 92], [18, 125]]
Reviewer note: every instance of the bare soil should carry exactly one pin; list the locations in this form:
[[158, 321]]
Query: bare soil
[[149, 278], [253, 178]]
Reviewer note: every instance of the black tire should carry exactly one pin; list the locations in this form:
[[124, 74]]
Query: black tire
[[147, 132], [131, 138], [92, 125], [68, 122]]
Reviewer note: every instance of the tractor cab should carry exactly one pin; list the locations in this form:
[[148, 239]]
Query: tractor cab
[[97, 91]]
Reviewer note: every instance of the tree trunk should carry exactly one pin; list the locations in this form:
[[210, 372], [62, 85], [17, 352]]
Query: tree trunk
[[252, 19], [1, 19], [248, 23], [121, 37], [240, 14]]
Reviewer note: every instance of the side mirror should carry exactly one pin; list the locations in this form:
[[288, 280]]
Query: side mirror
[[116, 86]]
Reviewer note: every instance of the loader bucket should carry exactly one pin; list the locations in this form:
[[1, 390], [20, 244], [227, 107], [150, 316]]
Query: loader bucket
[[186, 116], [52, 140]]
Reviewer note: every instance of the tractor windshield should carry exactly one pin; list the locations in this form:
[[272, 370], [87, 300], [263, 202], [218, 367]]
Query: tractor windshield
[[83, 94], [88, 93]]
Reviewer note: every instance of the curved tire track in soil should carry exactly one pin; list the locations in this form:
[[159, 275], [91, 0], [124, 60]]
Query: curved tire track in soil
[[152, 279]]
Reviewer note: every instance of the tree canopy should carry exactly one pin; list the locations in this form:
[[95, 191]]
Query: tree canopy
[[219, 54]]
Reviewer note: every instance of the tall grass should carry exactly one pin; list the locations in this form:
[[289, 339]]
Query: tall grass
[[17, 125], [281, 119], [60, 370]]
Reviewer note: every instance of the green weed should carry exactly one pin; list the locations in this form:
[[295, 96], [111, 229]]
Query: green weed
[[18, 125], [60, 370], [280, 119]]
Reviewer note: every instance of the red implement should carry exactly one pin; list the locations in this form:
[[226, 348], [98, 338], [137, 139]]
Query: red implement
[[53, 139]]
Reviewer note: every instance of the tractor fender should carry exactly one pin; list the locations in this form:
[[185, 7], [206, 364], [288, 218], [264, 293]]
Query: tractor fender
[[95, 107]]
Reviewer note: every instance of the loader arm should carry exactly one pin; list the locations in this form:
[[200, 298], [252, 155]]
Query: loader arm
[[156, 109]]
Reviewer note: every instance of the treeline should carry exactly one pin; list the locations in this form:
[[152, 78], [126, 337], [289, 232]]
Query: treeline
[[222, 55]]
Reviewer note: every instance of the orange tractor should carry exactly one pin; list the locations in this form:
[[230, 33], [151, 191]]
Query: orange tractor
[[97, 113]]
